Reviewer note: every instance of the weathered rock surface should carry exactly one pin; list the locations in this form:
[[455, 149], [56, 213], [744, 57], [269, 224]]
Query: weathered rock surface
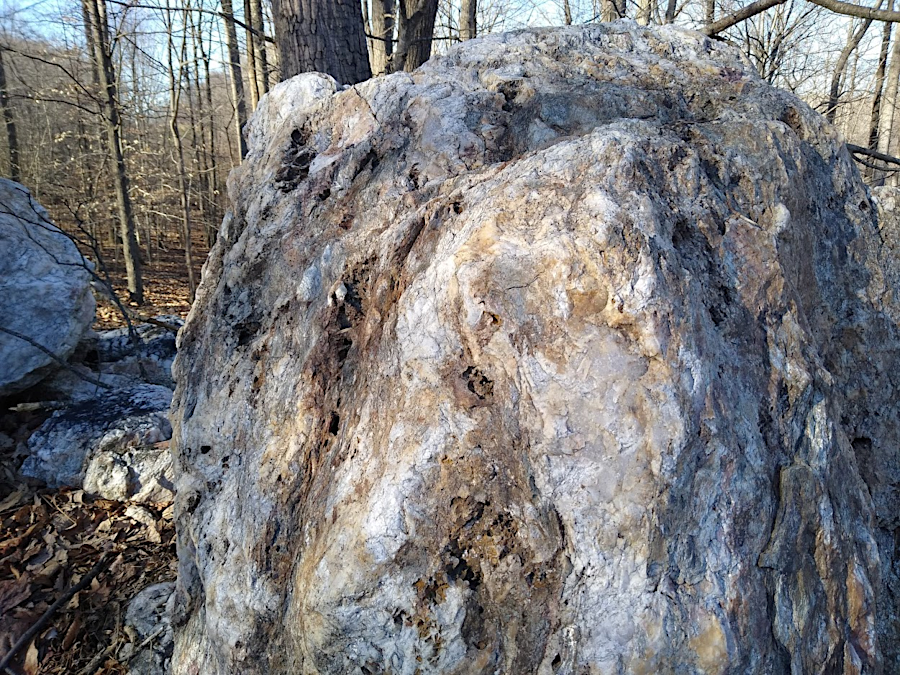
[[155, 351], [571, 352], [149, 619], [45, 291], [112, 446]]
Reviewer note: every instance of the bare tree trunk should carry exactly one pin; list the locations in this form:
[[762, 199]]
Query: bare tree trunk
[[645, 11], [108, 100], [468, 27], [888, 107], [321, 35], [709, 11], [174, 106], [567, 12], [237, 82], [613, 10], [262, 60], [415, 30], [201, 157], [212, 182], [12, 139], [383, 35], [671, 10], [879, 88], [841, 65], [251, 58]]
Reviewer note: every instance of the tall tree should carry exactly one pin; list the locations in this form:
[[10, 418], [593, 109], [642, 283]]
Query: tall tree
[[840, 67], [12, 138], [175, 80], [415, 31], [97, 28], [252, 77], [256, 22], [468, 24], [322, 35], [382, 35], [875, 115], [237, 81]]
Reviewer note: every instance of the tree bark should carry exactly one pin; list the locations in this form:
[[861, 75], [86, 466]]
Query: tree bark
[[888, 107], [645, 11], [567, 12], [251, 58], [613, 10], [109, 102], [175, 80], [383, 28], [875, 116], [468, 25], [415, 30], [12, 139], [262, 60], [237, 82], [321, 35]]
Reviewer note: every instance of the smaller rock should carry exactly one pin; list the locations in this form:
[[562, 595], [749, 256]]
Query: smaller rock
[[149, 618], [143, 516], [67, 387], [114, 446], [116, 353]]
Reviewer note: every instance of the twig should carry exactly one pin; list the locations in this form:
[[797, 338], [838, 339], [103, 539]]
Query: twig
[[155, 322], [45, 617], [53, 356], [95, 662], [146, 641]]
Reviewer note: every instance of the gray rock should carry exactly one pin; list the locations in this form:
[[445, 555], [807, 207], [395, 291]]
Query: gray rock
[[112, 446], [151, 362], [572, 351], [45, 291], [149, 618]]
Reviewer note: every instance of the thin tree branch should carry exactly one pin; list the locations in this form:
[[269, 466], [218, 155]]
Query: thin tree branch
[[221, 15], [849, 9], [36, 345], [742, 14], [859, 150]]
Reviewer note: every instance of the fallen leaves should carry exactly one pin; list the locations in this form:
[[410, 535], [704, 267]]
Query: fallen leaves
[[49, 539]]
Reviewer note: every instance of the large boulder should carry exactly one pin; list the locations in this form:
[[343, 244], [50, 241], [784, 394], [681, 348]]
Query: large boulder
[[45, 291], [569, 352]]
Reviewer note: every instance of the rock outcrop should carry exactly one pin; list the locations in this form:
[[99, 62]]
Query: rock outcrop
[[114, 446], [570, 352], [45, 291]]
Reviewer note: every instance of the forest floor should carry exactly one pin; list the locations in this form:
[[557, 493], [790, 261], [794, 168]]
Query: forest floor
[[50, 539]]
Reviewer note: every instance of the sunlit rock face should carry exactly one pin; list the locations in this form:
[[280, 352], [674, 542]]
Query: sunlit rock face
[[45, 291], [570, 352]]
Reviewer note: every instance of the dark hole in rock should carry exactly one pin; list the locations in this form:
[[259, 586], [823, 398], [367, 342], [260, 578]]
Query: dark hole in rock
[[478, 383]]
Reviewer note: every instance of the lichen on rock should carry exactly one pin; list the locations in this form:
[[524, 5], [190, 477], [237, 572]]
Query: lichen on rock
[[555, 355]]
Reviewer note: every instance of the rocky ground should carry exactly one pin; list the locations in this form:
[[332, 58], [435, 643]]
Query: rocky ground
[[51, 538]]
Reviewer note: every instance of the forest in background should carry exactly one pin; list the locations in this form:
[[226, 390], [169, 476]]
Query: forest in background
[[123, 116]]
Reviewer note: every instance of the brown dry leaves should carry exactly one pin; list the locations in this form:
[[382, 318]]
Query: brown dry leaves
[[48, 540]]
